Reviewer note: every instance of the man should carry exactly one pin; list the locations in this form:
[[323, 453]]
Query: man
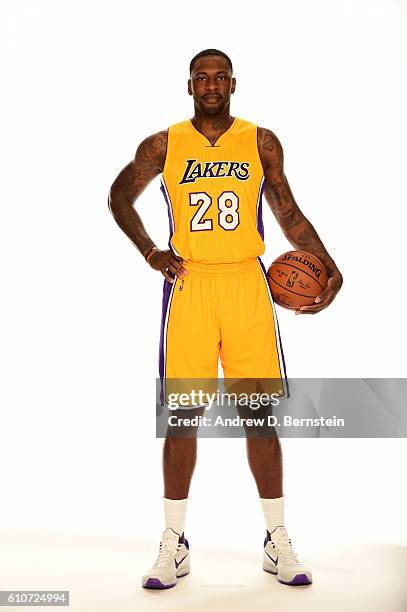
[[216, 299]]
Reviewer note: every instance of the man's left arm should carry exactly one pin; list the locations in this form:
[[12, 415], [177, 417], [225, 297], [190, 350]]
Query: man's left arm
[[296, 227]]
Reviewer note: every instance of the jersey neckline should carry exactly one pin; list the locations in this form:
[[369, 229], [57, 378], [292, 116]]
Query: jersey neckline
[[226, 132]]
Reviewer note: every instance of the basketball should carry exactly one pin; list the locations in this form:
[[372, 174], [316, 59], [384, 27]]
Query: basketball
[[296, 278]]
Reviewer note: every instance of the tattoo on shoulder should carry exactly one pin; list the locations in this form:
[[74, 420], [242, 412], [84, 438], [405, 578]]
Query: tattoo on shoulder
[[270, 151], [151, 152], [147, 163], [268, 140]]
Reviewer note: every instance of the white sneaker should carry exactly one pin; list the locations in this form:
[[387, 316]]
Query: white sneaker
[[279, 558], [172, 562]]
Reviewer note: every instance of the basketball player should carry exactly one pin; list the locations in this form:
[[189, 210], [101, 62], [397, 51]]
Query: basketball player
[[216, 301]]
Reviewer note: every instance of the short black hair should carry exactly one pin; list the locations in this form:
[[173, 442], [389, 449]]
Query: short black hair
[[210, 52]]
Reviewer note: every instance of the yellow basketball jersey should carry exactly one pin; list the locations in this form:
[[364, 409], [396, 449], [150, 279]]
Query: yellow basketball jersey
[[213, 193]]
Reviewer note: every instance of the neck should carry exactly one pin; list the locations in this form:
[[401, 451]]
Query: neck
[[212, 124]]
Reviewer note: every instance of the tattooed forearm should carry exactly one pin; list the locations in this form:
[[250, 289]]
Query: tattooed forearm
[[304, 237], [296, 227], [281, 202], [129, 184]]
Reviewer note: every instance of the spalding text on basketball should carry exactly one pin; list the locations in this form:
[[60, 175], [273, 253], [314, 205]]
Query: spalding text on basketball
[[306, 262]]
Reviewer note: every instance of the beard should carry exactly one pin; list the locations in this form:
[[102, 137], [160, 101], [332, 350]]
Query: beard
[[212, 109]]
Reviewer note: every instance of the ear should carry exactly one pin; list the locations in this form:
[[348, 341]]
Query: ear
[[189, 87], [232, 89]]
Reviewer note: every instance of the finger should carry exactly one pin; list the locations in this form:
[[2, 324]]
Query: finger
[[177, 265], [327, 291], [169, 278], [176, 258], [174, 270], [325, 297], [305, 312], [322, 296], [312, 309]]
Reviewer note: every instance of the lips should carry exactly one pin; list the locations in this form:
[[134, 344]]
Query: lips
[[212, 98]]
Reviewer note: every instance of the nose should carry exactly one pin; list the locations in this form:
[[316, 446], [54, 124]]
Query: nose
[[212, 84]]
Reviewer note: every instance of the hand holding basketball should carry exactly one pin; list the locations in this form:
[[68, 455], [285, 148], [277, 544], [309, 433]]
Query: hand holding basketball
[[324, 298], [298, 281]]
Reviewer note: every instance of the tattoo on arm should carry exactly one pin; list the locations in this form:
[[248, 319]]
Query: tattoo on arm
[[131, 182], [277, 190], [268, 140], [296, 227], [147, 163]]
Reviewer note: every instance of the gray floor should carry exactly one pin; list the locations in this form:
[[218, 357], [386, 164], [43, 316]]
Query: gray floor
[[103, 574]]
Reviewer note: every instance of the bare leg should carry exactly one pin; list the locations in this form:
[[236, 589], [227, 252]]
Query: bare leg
[[265, 461], [179, 457], [264, 455]]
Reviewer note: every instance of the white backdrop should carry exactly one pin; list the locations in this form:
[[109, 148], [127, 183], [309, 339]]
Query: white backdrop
[[83, 83]]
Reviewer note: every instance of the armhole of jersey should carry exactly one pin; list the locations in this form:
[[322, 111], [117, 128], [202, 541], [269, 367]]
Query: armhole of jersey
[[166, 151], [257, 148]]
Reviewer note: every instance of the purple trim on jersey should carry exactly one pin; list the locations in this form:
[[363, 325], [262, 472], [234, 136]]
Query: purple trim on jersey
[[260, 226], [161, 366], [279, 335], [169, 209]]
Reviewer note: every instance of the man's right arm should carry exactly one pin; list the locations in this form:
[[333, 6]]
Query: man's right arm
[[129, 184]]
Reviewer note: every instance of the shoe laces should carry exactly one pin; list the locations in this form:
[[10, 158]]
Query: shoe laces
[[285, 548], [168, 551]]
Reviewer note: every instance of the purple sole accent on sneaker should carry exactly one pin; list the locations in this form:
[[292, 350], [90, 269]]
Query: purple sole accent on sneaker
[[154, 583], [297, 580]]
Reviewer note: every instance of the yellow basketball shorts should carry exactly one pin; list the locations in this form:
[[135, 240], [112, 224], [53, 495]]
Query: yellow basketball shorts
[[221, 311]]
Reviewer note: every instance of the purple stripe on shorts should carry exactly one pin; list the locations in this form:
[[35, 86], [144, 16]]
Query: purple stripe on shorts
[[279, 335], [161, 365]]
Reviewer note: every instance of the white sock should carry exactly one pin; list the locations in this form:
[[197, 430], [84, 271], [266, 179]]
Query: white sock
[[174, 511], [273, 510]]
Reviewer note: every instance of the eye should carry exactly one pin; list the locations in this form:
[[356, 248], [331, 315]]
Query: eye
[[222, 77], [200, 78]]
